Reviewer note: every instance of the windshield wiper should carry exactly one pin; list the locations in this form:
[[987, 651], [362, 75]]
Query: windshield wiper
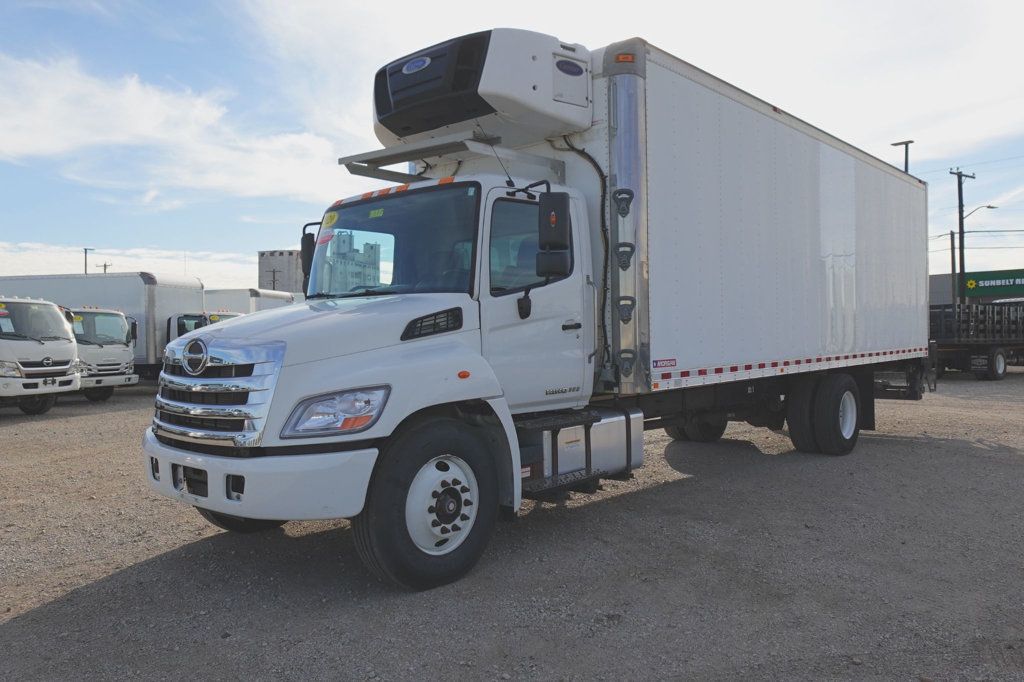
[[54, 338], [90, 342], [367, 291], [16, 335], [321, 294]]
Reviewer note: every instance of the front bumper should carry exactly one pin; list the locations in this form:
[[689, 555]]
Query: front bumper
[[286, 488], [109, 380], [28, 387]]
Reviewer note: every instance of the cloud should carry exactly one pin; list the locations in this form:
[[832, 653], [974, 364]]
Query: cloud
[[216, 270], [182, 140]]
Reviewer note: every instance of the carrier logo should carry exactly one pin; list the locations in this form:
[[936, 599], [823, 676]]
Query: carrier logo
[[414, 65], [195, 357], [569, 68]]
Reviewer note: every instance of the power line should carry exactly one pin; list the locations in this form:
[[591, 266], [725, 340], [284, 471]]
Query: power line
[[946, 234], [978, 248], [972, 163]]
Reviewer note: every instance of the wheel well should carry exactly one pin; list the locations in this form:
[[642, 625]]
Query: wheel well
[[479, 416]]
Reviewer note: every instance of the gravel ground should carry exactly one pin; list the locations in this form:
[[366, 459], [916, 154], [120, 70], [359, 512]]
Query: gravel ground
[[736, 559]]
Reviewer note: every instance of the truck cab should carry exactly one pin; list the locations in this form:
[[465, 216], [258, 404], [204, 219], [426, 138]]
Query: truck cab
[[38, 354], [106, 348]]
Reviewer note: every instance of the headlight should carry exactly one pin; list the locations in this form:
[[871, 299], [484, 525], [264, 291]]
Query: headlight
[[9, 369], [79, 367], [335, 413]]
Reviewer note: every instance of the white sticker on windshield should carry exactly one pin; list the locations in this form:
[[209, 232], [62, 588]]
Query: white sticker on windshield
[[471, 191]]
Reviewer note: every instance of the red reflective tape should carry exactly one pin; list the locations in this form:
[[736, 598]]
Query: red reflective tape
[[775, 364], [734, 368], [366, 195], [748, 367], [684, 374], [383, 192], [401, 188], [666, 375], [337, 203], [702, 372], [785, 363], [818, 360], [760, 365], [719, 370]]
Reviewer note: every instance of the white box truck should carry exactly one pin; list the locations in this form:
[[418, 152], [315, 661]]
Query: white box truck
[[38, 354], [164, 306], [245, 300], [106, 350], [596, 243]]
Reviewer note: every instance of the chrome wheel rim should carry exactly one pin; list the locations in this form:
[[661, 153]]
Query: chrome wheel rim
[[847, 415], [441, 505], [1000, 364]]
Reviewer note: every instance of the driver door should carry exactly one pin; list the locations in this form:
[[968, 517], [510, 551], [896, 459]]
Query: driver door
[[542, 360]]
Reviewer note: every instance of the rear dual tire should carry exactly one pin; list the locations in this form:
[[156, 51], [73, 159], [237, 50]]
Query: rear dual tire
[[699, 430], [824, 414]]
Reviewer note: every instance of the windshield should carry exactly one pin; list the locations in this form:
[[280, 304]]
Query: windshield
[[38, 321], [100, 328], [418, 241]]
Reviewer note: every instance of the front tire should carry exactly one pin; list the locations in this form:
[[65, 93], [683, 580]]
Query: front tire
[[837, 414], [98, 395], [238, 524], [40, 404], [431, 507]]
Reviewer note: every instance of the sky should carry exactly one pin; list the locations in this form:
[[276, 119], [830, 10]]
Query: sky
[[184, 137]]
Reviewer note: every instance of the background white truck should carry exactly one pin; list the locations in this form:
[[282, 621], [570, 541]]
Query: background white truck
[[106, 350], [38, 356], [598, 242], [246, 300], [164, 306]]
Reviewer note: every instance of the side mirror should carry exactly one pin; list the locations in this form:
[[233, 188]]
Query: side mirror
[[554, 235], [134, 331], [308, 246]]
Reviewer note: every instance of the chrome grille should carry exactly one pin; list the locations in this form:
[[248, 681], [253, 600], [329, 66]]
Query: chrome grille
[[226, 403]]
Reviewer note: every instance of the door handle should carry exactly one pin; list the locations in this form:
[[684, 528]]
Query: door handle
[[569, 326]]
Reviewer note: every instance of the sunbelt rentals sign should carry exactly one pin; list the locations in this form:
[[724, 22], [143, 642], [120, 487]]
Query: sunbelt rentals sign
[[996, 283]]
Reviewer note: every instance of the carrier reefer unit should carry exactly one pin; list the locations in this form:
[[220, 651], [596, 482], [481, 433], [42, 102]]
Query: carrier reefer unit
[[38, 353], [589, 244], [150, 299]]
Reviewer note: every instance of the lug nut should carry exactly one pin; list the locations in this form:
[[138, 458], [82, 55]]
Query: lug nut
[[463, 489], [435, 523], [434, 493], [464, 517], [467, 503], [430, 510], [456, 481], [455, 526], [444, 530]]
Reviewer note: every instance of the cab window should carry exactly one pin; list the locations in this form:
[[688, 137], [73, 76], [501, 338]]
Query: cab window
[[513, 247]]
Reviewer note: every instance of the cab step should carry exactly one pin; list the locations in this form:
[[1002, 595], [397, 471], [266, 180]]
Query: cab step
[[555, 421], [576, 481]]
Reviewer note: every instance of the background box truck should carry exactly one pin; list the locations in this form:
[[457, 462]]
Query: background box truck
[[38, 354], [246, 300], [598, 243], [162, 305]]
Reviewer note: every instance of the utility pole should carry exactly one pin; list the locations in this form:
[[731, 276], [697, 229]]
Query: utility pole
[[85, 252], [960, 175], [105, 266], [273, 278], [906, 153], [954, 287]]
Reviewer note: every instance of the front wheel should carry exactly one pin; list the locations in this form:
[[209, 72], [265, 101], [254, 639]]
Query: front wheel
[[238, 524], [98, 395], [431, 507], [39, 404]]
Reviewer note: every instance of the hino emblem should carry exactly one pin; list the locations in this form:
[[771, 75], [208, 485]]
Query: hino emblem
[[195, 357], [47, 361]]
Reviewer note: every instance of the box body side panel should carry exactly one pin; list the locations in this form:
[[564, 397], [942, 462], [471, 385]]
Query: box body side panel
[[769, 243]]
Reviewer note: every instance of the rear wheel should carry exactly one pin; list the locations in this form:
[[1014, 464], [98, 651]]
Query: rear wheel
[[706, 429], [800, 413], [997, 364], [676, 432], [431, 508], [837, 414], [238, 524], [39, 404], [98, 395]]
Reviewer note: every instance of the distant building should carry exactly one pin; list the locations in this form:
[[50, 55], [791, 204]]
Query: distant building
[[348, 267], [281, 271], [981, 287]]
